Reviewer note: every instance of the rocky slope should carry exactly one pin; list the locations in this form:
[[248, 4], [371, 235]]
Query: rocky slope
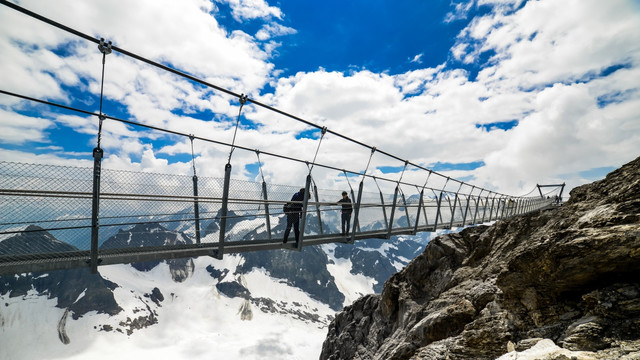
[[568, 274]]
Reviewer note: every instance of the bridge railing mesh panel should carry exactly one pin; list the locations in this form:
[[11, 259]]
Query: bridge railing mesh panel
[[39, 198]]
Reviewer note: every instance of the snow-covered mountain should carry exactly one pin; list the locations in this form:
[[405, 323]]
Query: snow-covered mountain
[[271, 304]]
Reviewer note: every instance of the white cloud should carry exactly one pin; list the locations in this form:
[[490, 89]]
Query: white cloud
[[252, 9], [417, 59], [461, 11], [19, 129], [269, 31]]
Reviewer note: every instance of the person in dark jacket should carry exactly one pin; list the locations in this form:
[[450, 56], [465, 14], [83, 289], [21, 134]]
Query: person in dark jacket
[[293, 211], [346, 213]]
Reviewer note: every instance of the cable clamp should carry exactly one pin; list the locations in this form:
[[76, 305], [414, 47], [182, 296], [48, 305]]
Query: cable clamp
[[373, 149], [243, 99], [104, 48], [102, 117], [324, 130], [191, 137]]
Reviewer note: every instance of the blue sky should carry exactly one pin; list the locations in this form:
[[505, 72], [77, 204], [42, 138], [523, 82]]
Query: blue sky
[[503, 93]]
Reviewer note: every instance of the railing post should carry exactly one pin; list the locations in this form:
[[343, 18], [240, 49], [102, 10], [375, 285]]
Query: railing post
[[424, 212], [356, 214], [484, 207], [315, 193], [95, 208], [477, 201], [466, 210], [224, 210], [453, 210], [303, 218], [439, 202], [196, 208], [353, 196], [420, 203], [505, 208], [393, 210], [493, 202], [384, 210], [266, 209], [406, 209]]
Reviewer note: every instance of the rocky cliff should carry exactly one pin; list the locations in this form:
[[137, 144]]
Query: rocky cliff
[[568, 275]]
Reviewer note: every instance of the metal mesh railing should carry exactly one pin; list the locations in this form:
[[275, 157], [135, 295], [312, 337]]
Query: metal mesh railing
[[46, 212]]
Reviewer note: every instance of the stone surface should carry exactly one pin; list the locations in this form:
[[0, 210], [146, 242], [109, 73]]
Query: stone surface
[[567, 275]]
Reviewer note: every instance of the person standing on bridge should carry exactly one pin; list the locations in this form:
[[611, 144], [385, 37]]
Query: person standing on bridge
[[293, 210], [347, 208]]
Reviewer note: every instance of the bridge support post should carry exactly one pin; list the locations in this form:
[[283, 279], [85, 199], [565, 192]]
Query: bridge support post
[[439, 202], [477, 201], [484, 207], [406, 209], [95, 208], [466, 210], [520, 206], [315, 195], [384, 210], [393, 210], [353, 196], [424, 212], [356, 216], [505, 208], [493, 202], [266, 209], [223, 211], [196, 208], [420, 203], [303, 218], [453, 210]]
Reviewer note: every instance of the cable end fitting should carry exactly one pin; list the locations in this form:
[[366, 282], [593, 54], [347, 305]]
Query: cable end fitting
[[104, 48]]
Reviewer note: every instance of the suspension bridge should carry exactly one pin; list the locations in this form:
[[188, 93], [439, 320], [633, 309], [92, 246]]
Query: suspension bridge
[[62, 217]]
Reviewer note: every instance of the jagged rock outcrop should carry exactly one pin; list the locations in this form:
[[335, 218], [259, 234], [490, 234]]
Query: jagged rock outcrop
[[568, 274]]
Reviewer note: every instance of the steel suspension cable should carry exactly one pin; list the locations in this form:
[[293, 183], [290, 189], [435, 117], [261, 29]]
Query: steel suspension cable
[[105, 49], [193, 159], [348, 182], [324, 131], [260, 165], [402, 174], [243, 100]]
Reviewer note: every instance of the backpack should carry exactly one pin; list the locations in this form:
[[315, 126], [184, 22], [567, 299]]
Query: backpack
[[287, 208]]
